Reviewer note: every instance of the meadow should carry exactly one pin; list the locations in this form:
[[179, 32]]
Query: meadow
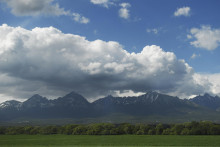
[[107, 140]]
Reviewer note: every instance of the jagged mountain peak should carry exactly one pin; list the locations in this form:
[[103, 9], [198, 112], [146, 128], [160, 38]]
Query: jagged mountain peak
[[72, 98], [11, 103], [109, 96], [110, 100], [211, 96], [73, 95], [158, 98], [153, 93], [204, 97], [36, 98], [35, 101], [150, 95], [207, 100], [206, 94], [74, 105], [147, 98]]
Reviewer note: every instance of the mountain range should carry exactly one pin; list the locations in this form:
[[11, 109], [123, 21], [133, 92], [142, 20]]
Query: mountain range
[[149, 107]]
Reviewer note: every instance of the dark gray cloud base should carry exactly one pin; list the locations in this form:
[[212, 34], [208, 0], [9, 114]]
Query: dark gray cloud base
[[49, 62]]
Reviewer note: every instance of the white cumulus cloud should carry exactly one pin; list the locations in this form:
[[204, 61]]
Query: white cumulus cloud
[[124, 10], [194, 56], [49, 62], [215, 80], [184, 11], [81, 19], [154, 30], [34, 7], [212, 79], [205, 37], [104, 3], [41, 7]]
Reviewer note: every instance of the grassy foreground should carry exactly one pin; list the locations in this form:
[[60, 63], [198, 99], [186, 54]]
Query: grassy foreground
[[119, 140]]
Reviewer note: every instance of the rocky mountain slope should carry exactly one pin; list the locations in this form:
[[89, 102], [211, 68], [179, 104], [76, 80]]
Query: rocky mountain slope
[[75, 106]]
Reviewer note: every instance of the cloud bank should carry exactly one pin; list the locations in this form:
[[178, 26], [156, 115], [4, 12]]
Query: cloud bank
[[49, 62], [41, 7]]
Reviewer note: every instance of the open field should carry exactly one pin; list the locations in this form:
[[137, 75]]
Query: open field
[[120, 140]]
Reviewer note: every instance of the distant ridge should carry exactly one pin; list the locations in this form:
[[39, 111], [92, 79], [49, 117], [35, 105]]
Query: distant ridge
[[150, 105], [207, 101]]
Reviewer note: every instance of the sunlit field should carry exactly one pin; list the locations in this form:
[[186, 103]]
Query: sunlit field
[[111, 140]]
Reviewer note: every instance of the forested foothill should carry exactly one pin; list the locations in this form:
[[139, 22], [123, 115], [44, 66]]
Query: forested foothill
[[189, 128]]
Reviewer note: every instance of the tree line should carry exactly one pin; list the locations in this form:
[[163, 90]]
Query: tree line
[[190, 128]]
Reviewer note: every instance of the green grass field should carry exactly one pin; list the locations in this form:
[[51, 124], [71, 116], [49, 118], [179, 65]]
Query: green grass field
[[120, 140]]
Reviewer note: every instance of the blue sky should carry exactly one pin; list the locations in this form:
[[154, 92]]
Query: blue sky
[[188, 29]]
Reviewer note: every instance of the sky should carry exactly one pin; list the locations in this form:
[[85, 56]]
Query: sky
[[103, 47]]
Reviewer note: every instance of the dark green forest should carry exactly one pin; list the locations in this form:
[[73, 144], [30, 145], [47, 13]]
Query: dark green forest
[[191, 128]]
